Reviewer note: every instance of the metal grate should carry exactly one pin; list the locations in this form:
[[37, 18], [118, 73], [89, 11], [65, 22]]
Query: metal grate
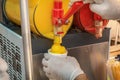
[[11, 51]]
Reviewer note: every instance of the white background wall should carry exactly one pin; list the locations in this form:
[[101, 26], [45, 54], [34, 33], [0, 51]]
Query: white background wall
[[114, 25]]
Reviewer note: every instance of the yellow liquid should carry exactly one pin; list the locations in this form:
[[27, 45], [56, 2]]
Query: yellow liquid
[[57, 48]]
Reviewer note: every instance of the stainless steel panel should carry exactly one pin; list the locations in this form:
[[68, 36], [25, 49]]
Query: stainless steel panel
[[38, 68], [92, 59]]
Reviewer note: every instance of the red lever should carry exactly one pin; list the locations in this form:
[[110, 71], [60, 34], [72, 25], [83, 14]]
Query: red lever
[[74, 8], [58, 17]]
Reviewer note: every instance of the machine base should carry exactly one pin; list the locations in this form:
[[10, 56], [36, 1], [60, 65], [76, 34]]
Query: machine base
[[90, 52]]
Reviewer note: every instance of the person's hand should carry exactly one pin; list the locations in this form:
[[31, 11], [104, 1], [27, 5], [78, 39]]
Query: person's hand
[[3, 65], [107, 9], [4, 76], [61, 68], [3, 68]]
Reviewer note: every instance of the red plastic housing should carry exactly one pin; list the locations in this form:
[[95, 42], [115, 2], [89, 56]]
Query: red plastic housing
[[85, 19], [58, 12]]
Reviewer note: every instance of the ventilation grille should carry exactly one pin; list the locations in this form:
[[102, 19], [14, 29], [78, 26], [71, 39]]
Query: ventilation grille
[[11, 51]]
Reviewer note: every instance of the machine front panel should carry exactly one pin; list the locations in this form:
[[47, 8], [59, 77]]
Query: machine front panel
[[92, 59], [11, 50], [90, 52]]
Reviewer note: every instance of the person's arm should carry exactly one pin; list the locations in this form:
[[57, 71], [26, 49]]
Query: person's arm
[[81, 77]]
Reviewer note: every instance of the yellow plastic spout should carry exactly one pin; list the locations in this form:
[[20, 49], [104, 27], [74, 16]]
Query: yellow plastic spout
[[57, 48]]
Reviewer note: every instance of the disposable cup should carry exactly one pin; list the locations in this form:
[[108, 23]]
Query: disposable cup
[[58, 54]]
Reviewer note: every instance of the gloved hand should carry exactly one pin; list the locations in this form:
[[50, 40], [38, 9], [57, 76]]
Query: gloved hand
[[61, 68], [4, 76], [3, 68], [107, 9]]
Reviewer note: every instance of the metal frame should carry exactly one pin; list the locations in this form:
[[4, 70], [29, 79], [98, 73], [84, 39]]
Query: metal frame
[[26, 39]]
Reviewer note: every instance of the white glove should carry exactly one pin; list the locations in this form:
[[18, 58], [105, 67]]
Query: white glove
[[107, 9], [4, 76], [3, 68], [3, 65], [61, 68]]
